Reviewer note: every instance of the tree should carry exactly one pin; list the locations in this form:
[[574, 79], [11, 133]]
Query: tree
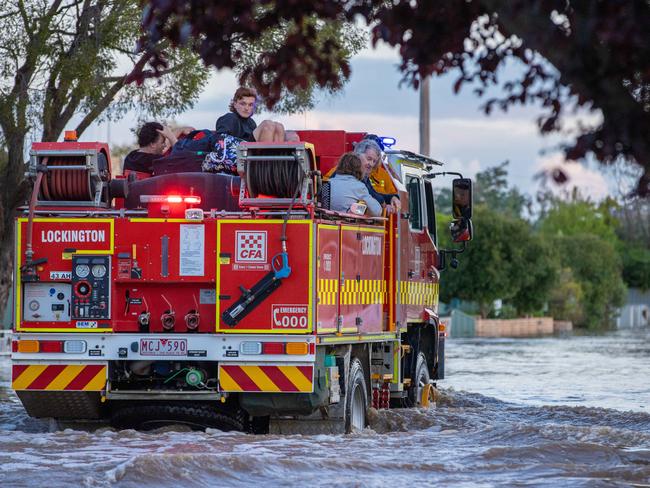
[[574, 54], [61, 59], [636, 265], [345, 38], [540, 274], [596, 267], [633, 230], [566, 298], [504, 261], [576, 217], [491, 188]]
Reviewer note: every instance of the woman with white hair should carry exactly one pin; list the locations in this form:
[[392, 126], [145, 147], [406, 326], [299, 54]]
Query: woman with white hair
[[370, 154]]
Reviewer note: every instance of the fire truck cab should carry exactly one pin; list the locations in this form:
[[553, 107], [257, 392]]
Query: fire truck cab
[[237, 302]]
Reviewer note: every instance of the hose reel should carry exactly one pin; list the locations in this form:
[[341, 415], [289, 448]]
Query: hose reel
[[273, 173], [71, 177]]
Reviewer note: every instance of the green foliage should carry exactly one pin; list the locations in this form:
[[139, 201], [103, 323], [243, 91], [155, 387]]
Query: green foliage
[[566, 298], [589, 55], [345, 40], [75, 58], [492, 189], [504, 261], [506, 311], [634, 233], [574, 264], [580, 217], [443, 200], [636, 265], [596, 267], [539, 269]]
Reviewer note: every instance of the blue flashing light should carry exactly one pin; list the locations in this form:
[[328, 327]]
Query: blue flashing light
[[388, 141]]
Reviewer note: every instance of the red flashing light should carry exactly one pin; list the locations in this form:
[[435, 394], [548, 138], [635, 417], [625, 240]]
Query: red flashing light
[[14, 346], [51, 346], [273, 348], [312, 348], [191, 199]]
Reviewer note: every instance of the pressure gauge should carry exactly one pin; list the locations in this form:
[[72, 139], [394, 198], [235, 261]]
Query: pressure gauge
[[82, 270], [34, 305], [99, 271]]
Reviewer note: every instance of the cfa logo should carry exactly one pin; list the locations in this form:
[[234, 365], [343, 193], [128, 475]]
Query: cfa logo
[[251, 246]]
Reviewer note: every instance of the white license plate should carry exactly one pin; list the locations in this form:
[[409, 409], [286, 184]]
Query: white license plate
[[163, 347]]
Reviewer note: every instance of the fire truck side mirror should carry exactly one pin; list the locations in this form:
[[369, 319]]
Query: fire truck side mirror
[[462, 198]]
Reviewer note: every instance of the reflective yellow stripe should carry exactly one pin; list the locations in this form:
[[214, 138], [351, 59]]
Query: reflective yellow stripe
[[98, 382], [258, 377], [28, 376], [227, 383], [65, 377], [296, 377]]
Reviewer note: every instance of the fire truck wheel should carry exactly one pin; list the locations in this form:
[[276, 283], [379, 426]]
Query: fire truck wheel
[[420, 381], [193, 415], [259, 425], [356, 399]]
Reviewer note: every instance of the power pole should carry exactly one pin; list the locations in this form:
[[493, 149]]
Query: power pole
[[424, 117]]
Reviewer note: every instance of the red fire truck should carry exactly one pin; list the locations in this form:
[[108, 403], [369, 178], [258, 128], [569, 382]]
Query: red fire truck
[[238, 302]]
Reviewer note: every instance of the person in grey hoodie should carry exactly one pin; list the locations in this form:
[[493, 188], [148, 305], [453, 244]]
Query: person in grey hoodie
[[347, 188]]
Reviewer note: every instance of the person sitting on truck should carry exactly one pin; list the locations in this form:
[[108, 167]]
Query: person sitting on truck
[[239, 121], [370, 154], [238, 126], [154, 141], [347, 190]]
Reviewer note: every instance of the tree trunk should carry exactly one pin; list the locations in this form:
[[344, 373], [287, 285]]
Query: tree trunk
[[6, 268], [13, 192]]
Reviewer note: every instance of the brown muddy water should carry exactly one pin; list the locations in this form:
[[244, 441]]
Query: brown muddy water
[[563, 412]]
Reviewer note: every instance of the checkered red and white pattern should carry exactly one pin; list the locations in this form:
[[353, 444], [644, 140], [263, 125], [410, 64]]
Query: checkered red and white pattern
[[251, 246]]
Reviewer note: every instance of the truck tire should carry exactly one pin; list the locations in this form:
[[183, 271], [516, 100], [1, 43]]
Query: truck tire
[[356, 399], [420, 379], [259, 425], [193, 415]]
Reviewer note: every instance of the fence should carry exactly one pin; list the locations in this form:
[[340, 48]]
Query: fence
[[465, 325]]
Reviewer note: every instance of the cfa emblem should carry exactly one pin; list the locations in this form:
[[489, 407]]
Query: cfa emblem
[[251, 246]]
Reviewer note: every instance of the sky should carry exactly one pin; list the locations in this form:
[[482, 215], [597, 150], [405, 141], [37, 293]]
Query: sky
[[372, 101]]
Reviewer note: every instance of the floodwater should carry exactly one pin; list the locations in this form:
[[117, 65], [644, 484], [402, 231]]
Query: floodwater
[[564, 411]]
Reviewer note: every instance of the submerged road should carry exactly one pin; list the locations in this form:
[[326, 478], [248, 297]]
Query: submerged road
[[564, 411]]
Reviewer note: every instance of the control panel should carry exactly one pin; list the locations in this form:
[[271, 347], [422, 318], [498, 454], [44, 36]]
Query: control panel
[[46, 302], [91, 287]]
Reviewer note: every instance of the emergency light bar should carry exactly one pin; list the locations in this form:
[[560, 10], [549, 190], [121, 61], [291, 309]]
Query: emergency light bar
[[192, 199], [388, 141]]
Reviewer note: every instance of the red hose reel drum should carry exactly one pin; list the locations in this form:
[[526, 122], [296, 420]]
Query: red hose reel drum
[[76, 173]]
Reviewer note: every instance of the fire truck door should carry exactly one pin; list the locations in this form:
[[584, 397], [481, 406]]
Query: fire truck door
[[372, 286], [328, 278], [362, 291], [417, 255], [349, 307]]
